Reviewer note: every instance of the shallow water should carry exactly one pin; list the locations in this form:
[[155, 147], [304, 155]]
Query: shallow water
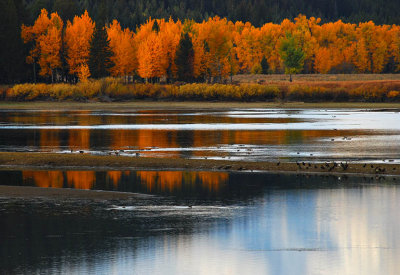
[[237, 134], [203, 223]]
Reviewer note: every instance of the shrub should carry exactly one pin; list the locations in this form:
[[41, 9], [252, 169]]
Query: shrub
[[393, 96], [116, 89]]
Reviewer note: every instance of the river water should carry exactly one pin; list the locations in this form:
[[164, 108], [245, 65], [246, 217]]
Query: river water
[[237, 134], [203, 222]]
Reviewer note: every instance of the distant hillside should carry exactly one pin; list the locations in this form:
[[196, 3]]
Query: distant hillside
[[134, 12]]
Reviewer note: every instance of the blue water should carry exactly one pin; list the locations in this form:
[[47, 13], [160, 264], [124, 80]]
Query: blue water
[[248, 223]]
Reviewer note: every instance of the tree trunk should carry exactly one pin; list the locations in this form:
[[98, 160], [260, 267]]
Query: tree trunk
[[290, 78]]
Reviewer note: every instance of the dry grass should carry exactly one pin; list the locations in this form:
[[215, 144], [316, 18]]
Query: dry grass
[[110, 89]]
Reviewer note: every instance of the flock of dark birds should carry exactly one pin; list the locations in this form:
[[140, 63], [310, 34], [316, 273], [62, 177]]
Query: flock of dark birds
[[327, 166]]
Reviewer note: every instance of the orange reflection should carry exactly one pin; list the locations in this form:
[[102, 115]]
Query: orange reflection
[[162, 181], [49, 138], [146, 139], [53, 179], [115, 176], [173, 180], [79, 139], [81, 179], [212, 180]]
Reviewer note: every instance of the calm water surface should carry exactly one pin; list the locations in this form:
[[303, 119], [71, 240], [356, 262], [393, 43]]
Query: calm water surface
[[238, 223], [237, 134]]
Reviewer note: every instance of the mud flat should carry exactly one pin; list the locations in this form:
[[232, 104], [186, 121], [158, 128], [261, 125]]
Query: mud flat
[[23, 192], [86, 161]]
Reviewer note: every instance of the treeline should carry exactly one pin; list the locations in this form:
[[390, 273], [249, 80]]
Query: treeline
[[211, 50], [133, 13]]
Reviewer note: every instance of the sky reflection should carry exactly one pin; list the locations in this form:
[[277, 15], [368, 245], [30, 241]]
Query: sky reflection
[[252, 134], [240, 224]]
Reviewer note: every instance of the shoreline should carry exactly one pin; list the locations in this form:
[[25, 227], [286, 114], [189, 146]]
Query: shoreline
[[54, 161], [30, 192], [124, 106]]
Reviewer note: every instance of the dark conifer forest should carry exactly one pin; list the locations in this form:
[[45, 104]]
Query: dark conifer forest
[[135, 12]]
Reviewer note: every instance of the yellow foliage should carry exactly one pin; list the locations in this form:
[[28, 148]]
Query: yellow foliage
[[77, 39], [116, 89], [83, 73], [394, 95]]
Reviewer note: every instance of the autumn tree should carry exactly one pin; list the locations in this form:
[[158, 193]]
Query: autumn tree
[[46, 37], [78, 35], [50, 45], [33, 34], [292, 55], [83, 73], [123, 46], [157, 48], [169, 35], [213, 41], [100, 54], [150, 55], [371, 50], [184, 58], [210, 50]]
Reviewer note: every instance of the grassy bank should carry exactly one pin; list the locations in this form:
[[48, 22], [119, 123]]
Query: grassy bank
[[111, 89], [86, 161]]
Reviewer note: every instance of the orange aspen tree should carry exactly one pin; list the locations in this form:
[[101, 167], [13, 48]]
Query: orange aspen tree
[[50, 47], [169, 36], [83, 73], [213, 40], [361, 58], [201, 52], [150, 58], [78, 35], [122, 43], [46, 37], [371, 49], [270, 36], [150, 52], [248, 48], [323, 60]]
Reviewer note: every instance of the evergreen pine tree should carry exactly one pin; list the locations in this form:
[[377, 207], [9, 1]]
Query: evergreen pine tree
[[12, 51], [100, 54], [184, 58], [264, 66], [156, 27]]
